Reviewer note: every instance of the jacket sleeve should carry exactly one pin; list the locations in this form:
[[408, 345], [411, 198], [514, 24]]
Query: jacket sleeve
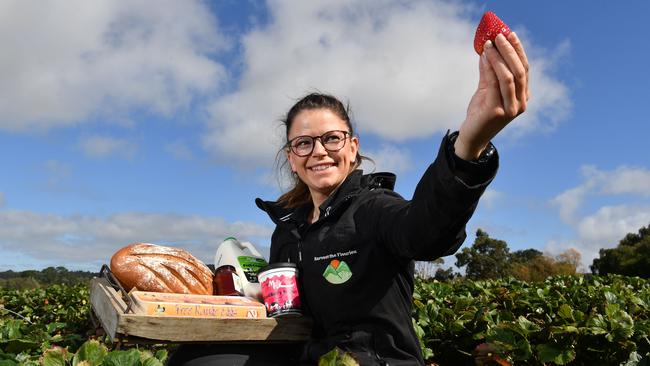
[[432, 223]]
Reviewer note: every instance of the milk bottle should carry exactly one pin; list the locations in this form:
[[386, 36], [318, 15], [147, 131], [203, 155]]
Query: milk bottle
[[247, 262]]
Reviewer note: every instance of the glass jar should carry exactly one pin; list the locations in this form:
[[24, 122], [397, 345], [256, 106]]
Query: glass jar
[[226, 282]]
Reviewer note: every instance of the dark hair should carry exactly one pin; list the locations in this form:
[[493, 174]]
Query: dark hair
[[299, 193]]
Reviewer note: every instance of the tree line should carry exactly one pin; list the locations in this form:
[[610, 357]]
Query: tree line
[[49, 276], [490, 258], [487, 258]]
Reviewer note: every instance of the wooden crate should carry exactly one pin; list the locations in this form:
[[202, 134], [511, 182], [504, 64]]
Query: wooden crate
[[118, 323]]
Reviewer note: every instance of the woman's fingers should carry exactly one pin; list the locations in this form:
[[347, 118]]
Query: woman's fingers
[[519, 48], [517, 68], [511, 74], [505, 78], [487, 77]]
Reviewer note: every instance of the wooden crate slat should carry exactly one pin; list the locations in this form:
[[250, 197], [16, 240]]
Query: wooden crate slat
[[107, 304], [110, 309], [186, 329]]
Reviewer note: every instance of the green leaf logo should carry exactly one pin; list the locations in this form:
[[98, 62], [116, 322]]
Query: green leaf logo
[[337, 272]]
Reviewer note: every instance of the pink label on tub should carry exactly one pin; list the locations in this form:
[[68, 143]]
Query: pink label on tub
[[280, 293]]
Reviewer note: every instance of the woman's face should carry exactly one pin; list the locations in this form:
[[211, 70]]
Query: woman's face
[[321, 170]]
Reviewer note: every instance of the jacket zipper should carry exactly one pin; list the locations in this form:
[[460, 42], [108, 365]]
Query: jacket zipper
[[300, 252]]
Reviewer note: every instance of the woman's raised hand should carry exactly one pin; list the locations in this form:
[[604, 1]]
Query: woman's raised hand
[[501, 96]]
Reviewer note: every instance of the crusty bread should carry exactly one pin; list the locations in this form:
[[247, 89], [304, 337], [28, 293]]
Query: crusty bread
[[151, 267]]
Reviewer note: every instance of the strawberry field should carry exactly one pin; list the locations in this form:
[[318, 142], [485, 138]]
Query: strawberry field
[[564, 320], [52, 326]]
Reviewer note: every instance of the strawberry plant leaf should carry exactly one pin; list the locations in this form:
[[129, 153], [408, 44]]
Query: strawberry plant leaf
[[329, 359], [55, 356], [337, 357], [563, 329], [610, 297], [506, 338], [91, 352], [633, 360], [597, 325], [549, 352], [152, 361], [527, 327], [20, 345], [11, 329], [347, 360], [53, 327], [122, 358], [565, 312], [611, 310], [161, 355]]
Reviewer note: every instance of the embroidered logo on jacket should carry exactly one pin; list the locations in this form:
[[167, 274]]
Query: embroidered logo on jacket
[[337, 272]]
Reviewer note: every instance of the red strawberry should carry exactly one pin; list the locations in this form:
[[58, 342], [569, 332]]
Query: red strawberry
[[489, 27]]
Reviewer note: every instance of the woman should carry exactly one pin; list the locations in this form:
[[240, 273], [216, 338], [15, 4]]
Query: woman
[[355, 241]]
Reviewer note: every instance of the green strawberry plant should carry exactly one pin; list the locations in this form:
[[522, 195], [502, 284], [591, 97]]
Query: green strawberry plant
[[565, 320], [51, 326]]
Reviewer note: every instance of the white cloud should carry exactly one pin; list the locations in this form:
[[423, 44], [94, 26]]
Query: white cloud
[[607, 225], [603, 229], [90, 241], [407, 67], [490, 198], [570, 201], [610, 224], [622, 180], [388, 158], [103, 146], [628, 180], [63, 62], [550, 101]]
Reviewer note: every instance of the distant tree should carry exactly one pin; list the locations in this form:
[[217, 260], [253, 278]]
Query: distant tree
[[568, 261], [486, 258], [8, 274], [491, 258], [427, 269], [536, 269], [30, 273], [533, 265], [526, 255], [630, 258], [48, 276], [445, 274], [19, 283]]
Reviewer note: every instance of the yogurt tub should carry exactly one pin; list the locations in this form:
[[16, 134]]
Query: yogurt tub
[[279, 283]]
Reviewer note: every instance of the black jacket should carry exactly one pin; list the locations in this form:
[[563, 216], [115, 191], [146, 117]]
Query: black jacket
[[356, 261]]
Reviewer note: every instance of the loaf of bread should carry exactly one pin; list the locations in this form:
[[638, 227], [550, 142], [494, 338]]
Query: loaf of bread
[[151, 267]]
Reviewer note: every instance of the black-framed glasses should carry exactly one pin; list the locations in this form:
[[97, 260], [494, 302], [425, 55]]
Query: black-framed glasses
[[332, 141]]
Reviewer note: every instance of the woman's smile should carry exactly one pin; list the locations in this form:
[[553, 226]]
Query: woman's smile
[[322, 167]]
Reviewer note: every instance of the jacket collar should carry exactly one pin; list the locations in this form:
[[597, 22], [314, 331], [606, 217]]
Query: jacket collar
[[353, 184]]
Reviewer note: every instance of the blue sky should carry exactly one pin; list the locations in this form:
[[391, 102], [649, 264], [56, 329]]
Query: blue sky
[[158, 121]]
